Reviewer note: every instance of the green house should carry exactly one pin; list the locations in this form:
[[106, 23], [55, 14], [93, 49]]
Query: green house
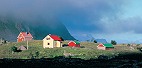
[[106, 46]]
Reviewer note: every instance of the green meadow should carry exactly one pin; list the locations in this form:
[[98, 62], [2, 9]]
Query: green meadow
[[88, 50]]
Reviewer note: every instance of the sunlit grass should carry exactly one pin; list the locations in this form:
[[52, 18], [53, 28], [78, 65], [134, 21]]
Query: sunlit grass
[[89, 50]]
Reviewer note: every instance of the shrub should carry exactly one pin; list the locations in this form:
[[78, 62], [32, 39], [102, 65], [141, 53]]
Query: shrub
[[37, 53], [65, 45], [128, 45], [138, 45], [82, 46], [113, 42], [104, 57], [14, 49], [140, 49], [95, 41]]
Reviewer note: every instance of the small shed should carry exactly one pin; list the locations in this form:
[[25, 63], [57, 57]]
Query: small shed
[[74, 44], [22, 48], [106, 46]]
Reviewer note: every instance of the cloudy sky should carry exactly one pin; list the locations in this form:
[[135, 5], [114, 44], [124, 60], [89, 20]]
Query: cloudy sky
[[119, 20]]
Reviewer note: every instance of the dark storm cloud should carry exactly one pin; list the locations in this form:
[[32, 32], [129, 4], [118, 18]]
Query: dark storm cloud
[[30, 9], [96, 16], [89, 15]]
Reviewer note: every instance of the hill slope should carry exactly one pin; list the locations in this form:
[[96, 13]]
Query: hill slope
[[10, 28]]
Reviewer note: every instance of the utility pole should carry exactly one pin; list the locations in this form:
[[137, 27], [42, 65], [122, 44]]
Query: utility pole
[[1, 41], [27, 45]]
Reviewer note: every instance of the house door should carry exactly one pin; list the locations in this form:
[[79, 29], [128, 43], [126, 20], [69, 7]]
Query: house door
[[55, 44]]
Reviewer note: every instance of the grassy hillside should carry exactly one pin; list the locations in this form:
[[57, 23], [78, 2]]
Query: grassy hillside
[[88, 50]]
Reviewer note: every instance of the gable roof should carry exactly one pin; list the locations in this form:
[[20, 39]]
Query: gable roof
[[108, 45], [101, 41], [22, 48], [77, 42], [55, 37], [26, 34]]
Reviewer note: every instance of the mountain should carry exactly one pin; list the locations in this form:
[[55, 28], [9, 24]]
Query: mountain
[[10, 27], [101, 41]]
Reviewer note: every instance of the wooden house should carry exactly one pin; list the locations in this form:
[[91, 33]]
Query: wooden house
[[51, 41], [24, 36], [106, 46], [74, 44]]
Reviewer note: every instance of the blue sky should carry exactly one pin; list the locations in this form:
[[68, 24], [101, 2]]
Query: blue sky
[[119, 20]]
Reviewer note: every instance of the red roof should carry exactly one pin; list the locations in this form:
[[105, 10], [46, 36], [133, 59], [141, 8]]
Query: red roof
[[26, 34], [55, 37]]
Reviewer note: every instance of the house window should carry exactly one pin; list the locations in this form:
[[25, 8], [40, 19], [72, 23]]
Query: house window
[[48, 43], [47, 38]]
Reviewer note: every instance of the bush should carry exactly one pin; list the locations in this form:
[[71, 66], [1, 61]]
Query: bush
[[128, 45], [37, 54], [65, 45], [82, 46], [140, 49], [14, 49], [95, 41], [138, 45], [103, 57], [113, 42]]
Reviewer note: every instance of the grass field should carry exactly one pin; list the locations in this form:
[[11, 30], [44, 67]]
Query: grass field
[[87, 51], [86, 56]]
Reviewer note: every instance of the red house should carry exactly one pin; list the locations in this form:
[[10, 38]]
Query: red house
[[24, 36], [74, 44]]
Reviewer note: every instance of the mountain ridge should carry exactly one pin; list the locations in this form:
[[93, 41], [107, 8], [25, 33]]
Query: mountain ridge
[[10, 28]]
